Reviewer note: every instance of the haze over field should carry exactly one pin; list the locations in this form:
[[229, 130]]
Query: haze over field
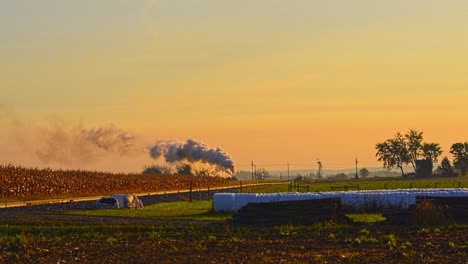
[[269, 81]]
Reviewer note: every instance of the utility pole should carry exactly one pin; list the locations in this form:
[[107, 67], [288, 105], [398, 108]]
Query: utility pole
[[288, 170], [357, 175], [252, 170], [255, 165]]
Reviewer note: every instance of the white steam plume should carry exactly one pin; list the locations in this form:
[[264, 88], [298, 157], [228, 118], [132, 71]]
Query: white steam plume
[[109, 138], [61, 144], [67, 145], [192, 152]]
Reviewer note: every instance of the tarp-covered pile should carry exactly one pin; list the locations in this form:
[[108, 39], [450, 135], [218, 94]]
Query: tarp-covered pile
[[119, 201]]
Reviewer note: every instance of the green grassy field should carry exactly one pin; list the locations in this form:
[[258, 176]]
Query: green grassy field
[[362, 184], [196, 210], [202, 210], [366, 217]]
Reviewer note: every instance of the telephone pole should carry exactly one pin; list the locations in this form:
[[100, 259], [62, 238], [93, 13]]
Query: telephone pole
[[255, 166], [288, 170], [357, 175], [252, 170]]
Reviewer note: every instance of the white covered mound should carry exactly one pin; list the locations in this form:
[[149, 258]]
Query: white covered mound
[[119, 201], [352, 200]]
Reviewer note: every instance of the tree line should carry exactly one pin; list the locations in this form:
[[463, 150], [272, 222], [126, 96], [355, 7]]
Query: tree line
[[407, 149], [183, 169]]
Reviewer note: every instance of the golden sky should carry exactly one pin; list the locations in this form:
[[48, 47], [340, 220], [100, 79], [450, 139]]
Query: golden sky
[[269, 81]]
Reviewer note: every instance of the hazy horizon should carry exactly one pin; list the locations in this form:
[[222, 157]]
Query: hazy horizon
[[265, 81]]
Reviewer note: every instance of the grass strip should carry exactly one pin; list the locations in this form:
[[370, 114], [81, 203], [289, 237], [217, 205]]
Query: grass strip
[[196, 210]]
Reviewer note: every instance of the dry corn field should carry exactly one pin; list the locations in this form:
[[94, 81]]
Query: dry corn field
[[19, 182]]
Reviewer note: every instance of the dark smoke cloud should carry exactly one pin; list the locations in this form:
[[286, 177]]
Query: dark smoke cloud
[[192, 152]]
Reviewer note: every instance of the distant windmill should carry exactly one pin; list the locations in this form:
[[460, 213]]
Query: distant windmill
[[319, 173]]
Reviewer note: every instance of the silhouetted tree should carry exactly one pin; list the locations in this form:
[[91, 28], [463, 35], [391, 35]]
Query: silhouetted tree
[[184, 170], [393, 152], [413, 144], [417, 149], [445, 169], [364, 172], [402, 150], [431, 151], [339, 176], [460, 154], [157, 170]]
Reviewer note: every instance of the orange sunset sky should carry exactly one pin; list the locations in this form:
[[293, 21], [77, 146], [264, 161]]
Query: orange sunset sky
[[269, 81]]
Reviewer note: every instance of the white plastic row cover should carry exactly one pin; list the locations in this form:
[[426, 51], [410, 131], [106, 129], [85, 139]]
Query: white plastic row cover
[[357, 200]]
